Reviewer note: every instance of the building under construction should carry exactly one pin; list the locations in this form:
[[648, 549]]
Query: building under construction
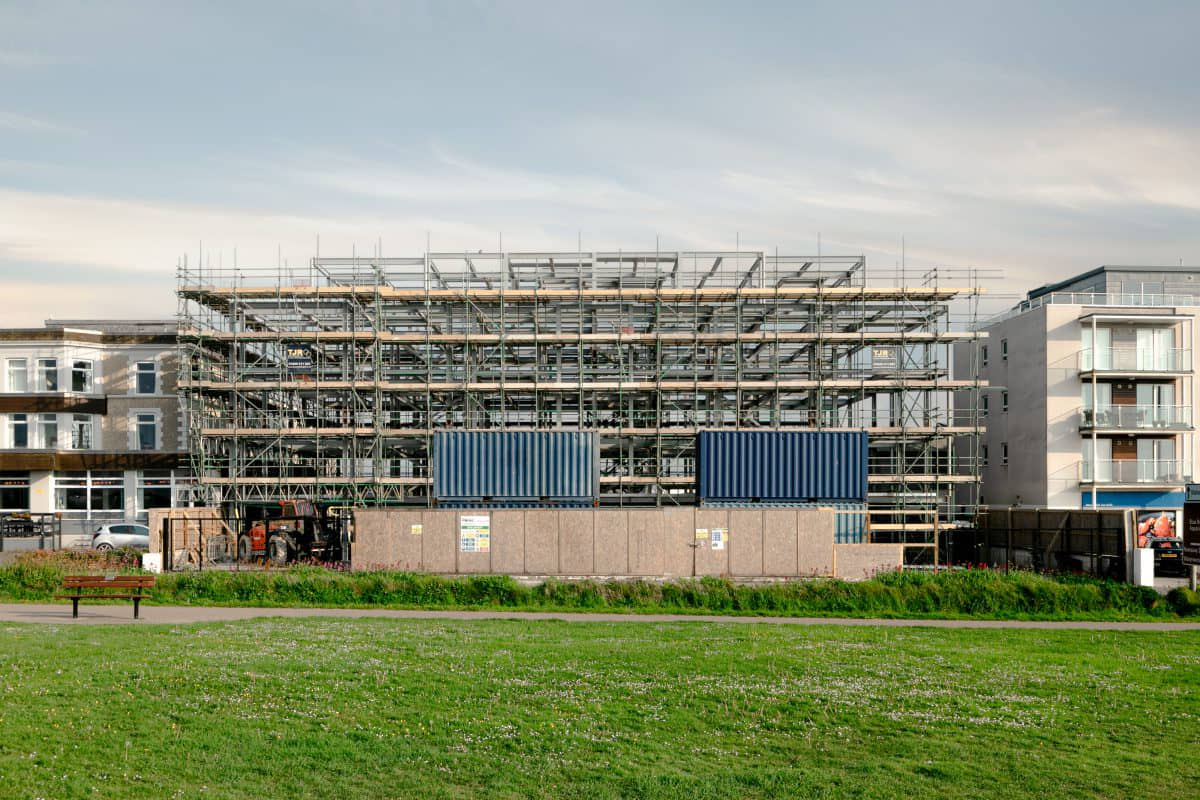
[[331, 381]]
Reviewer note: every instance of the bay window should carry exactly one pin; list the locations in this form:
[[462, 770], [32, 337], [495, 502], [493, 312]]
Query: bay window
[[48, 374], [18, 430], [18, 375], [48, 430], [81, 376], [82, 432]]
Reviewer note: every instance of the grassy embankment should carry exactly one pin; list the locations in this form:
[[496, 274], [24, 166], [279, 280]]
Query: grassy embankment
[[960, 593], [381, 708]]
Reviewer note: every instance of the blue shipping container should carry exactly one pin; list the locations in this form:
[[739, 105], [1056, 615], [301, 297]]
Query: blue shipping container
[[796, 466], [515, 465]]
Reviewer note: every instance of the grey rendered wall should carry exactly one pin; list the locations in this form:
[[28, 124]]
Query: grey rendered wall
[[1063, 443], [658, 543], [1024, 375]]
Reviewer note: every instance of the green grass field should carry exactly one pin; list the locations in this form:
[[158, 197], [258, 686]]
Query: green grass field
[[379, 708]]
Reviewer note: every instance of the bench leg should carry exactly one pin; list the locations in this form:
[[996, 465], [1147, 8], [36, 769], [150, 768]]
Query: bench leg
[[136, 600], [75, 607]]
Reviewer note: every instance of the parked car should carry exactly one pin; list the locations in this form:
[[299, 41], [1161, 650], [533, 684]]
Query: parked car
[[1168, 555], [123, 534]]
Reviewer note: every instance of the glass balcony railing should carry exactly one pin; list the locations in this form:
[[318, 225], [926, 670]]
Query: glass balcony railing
[[1135, 359], [1136, 299], [1133, 471], [1133, 417]]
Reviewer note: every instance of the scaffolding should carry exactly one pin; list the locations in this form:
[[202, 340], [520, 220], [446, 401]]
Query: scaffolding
[[329, 381]]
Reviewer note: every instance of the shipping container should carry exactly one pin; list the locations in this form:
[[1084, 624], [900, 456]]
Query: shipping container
[[502, 505], [507, 466], [796, 466]]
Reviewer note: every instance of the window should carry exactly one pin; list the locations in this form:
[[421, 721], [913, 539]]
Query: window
[[18, 430], [983, 460], [18, 375], [1004, 349], [985, 405], [1100, 356], [81, 376], [89, 491], [48, 430], [146, 429], [1004, 454], [14, 491], [81, 432], [1155, 349], [145, 378], [154, 489], [1103, 395], [48, 374], [107, 492], [984, 355], [1004, 402], [1098, 460], [70, 491]]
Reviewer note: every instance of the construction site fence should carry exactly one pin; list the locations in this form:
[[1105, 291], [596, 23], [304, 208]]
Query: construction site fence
[[31, 531], [1095, 542]]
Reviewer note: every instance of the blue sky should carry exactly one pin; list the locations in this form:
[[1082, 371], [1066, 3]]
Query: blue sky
[[1035, 139]]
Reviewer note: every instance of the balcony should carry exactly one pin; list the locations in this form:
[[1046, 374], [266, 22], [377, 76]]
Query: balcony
[[1136, 418], [1135, 472], [1135, 359]]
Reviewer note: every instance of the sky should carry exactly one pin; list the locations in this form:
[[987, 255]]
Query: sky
[[1038, 140]]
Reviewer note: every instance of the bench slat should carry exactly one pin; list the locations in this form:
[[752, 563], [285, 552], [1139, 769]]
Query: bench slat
[[100, 580], [103, 577]]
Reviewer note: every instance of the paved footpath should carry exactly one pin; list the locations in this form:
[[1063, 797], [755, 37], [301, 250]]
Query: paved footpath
[[174, 615]]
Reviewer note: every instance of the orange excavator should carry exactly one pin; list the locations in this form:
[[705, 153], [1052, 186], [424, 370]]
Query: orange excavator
[[290, 531]]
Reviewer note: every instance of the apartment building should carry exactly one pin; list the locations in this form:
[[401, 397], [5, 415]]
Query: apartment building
[[90, 420], [1092, 399]]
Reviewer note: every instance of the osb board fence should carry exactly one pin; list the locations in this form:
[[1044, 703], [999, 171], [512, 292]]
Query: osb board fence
[[189, 528], [661, 543]]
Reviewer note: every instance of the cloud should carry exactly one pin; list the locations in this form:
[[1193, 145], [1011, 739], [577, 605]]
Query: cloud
[[451, 178], [1090, 160], [146, 237], [16, 58], [795, 191], [28, 303], [21, 122]]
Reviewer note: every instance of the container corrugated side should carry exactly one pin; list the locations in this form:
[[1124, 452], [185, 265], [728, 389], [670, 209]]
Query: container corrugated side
[[514, 465], [800, 466]]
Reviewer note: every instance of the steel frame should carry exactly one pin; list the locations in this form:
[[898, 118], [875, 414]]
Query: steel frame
[[645, 347]]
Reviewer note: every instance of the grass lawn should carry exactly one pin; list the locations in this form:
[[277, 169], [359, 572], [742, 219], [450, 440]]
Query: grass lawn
[[384, 708]]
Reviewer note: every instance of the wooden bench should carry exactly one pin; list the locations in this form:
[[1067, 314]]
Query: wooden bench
[[106, 587]]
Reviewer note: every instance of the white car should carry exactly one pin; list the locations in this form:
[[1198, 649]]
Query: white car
[[123, 534]]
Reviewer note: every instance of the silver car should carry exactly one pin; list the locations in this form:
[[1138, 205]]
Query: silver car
[[123, 534]]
